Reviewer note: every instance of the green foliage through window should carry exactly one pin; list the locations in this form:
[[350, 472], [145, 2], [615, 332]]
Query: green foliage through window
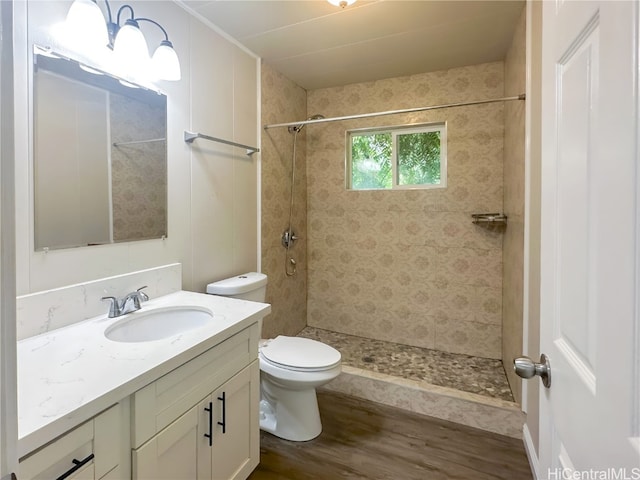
[[371, 161], [414, 156], [419, 158]]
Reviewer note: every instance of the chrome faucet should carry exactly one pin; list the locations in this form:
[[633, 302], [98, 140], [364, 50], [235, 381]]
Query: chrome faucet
[[129, 303]]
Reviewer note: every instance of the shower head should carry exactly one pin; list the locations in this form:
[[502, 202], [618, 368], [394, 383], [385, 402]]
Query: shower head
[[297, 128]]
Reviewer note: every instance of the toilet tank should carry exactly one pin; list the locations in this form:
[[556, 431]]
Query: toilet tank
[[248, 286]]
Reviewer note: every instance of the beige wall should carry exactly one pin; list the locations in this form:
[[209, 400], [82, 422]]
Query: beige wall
[[534, 113], [409, 266], [223, 218], [513, 246], [283, 101], [212, 188]]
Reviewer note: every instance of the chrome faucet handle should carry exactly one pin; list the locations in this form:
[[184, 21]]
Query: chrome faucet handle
[[143, 297], [125, 308], [114, 308]]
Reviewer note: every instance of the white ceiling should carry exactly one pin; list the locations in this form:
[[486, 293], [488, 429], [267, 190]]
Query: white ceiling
[[318, 45]]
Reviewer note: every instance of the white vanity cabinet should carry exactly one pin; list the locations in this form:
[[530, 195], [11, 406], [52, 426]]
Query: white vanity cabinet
[[200, 421], [91, 451], [228, 440]]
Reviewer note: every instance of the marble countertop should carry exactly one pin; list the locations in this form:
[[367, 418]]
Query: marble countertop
[[69, 375]]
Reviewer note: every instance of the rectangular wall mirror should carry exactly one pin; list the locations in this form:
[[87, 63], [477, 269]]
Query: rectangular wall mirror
[[100, 157]]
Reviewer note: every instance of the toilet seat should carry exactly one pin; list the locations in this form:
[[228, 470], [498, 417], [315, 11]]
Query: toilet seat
[[299, 354]]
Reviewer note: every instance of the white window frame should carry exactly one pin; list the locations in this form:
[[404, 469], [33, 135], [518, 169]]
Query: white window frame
[[395, 131]]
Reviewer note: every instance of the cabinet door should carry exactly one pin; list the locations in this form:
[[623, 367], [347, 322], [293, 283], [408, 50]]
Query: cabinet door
[[236, 443], [172, 453]]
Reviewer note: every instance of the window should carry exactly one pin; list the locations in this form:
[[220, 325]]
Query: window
[[397, 157]]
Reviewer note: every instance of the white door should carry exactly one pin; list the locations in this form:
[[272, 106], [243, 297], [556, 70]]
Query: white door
[[590, 417], [8, 389]]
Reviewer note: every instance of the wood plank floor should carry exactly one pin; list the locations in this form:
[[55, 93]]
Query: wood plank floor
[[361, 439]]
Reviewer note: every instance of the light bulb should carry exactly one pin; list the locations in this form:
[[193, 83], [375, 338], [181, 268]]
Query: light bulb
[[130, 48], [85, 26], [341, 3], [165, 63]]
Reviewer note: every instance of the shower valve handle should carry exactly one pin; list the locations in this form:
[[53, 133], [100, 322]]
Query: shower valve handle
[[288, 237]]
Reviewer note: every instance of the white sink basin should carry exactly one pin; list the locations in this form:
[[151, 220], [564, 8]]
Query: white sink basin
[[158, 324]]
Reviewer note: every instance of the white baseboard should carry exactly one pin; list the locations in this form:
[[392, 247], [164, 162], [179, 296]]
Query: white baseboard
[[531, 453]]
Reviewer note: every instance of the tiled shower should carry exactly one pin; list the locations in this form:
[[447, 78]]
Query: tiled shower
[[404, 272]]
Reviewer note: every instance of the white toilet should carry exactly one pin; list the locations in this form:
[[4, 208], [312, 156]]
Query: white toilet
[[290, 369]]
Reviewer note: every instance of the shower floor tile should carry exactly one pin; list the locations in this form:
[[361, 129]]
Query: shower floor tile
[[484, 376]]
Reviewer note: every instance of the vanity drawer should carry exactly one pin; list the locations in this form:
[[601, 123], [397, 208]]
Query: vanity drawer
[[91, 450], [158, 404]]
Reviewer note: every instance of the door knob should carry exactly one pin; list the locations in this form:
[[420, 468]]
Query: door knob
[[527, 368]]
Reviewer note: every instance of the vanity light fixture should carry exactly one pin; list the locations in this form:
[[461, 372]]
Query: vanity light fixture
[[341, 3], [130, 49], [86, 24]]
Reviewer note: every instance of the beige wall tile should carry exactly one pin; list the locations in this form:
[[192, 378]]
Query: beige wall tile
[[493, 415], [283, 101], [409, 266], [468, 337], [139, 174], [513, 254]]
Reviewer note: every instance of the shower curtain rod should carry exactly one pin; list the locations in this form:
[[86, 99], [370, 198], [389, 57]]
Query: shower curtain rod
[[392, 112]]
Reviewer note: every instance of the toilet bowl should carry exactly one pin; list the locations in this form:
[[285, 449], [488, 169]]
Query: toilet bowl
[[291, 368]]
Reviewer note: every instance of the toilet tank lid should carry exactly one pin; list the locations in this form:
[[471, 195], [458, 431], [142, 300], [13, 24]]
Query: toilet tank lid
[[236, 285]]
